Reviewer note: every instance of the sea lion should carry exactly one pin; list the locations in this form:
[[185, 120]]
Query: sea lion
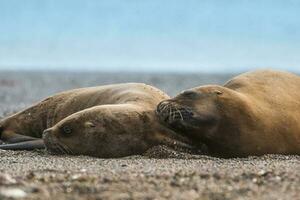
[[254, 113], [106, 121]]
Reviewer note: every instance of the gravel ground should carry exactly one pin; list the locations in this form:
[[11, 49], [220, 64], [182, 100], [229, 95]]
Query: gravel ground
[[161, 173]]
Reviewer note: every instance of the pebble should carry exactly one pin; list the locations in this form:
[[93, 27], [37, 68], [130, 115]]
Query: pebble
[[6, 179], [12, 193]]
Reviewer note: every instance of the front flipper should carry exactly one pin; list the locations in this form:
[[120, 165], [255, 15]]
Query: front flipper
[[12, 137], [20, 138], [27, 145]]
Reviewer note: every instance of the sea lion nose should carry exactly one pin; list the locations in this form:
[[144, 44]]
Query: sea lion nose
[[46, 132], [162, 110], [162, 106]]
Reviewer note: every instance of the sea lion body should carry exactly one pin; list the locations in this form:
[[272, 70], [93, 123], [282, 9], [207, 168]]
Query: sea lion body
[[105, 121], [254, 113]]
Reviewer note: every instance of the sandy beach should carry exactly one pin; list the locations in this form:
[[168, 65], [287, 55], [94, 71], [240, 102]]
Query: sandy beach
[[161, 173]]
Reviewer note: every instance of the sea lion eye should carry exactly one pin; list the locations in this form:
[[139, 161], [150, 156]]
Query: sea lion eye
[[189, 94], [67, 130]]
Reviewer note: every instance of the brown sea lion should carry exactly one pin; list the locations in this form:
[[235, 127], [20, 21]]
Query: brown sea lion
[[254, 113], [105, 121]]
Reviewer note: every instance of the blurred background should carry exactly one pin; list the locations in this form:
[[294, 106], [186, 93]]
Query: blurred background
[[150, 35], [52, 45]]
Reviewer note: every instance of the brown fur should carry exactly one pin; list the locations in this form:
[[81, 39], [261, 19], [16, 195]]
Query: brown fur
[[254, 113], [105, 121]]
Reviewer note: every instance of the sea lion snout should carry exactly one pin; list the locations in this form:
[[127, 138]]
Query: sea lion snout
[[47, 137], [46, 132], [161, 110], [53, 145], [169, 111]]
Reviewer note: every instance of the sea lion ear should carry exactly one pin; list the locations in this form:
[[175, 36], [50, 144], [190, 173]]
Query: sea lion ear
[[89, 124], [218, 92]]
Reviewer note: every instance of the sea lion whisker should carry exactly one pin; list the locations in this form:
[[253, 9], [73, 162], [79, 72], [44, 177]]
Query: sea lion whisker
[[164, 107], [60, 149], [64, 148], [170, 111], [178, 110], [56, 147], [173, 113], [67, 148]]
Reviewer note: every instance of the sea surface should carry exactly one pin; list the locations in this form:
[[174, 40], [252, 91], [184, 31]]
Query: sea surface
[[20, 89]]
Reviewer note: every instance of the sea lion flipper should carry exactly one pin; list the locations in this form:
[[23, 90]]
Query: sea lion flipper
[[27, 145], [12, 137], [20, 138]]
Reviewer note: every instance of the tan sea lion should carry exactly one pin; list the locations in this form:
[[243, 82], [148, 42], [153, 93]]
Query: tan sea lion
[[105, 121], [254, 113]]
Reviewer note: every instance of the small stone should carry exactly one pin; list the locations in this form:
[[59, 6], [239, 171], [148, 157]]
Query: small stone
[[277, 178], [6, 179], [75, 177], [262, 173], [13, 193], [83, 170]]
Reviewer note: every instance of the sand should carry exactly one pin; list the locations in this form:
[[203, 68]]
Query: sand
[[161, 173]]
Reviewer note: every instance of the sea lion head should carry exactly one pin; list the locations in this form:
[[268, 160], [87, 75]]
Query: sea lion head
[[95, 132], [207, 114], [193, 111]]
